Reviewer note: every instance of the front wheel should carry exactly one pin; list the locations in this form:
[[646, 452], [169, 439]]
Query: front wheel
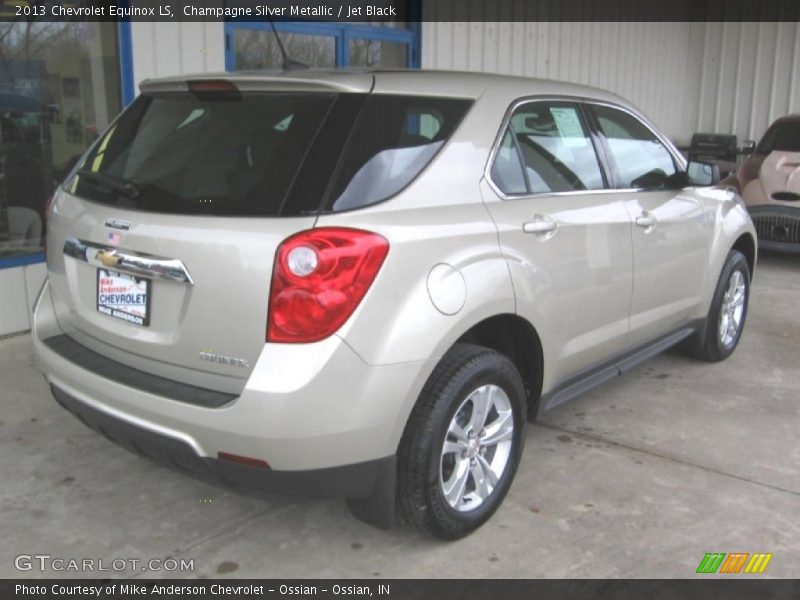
[[462, 444], [726, 317]]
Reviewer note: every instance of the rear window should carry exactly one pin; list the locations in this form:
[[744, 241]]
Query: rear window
[[784, 137], [200, 154], [264, 154]]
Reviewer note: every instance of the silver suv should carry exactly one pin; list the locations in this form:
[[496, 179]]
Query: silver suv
[[361, 285]]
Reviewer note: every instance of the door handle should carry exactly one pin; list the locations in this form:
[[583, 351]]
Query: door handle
[[646, 220], [540, 225]]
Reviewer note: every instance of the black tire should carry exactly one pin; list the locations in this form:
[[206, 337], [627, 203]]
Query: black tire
[[461, 374], [708, 344]]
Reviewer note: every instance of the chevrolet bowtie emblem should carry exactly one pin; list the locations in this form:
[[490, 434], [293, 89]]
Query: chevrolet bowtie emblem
[[108, 258]]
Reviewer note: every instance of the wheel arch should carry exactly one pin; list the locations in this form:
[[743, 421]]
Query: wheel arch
[[732, 230], [746, 244], [516, 339]]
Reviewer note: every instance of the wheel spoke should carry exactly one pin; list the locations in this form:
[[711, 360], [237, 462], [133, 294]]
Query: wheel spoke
[[732, 284], [738, 297], [482, 485], [723, 325], [732, 328], [456, 447], [488, 472], [454, 487], [481, 404], [499, 430], [456, 431]]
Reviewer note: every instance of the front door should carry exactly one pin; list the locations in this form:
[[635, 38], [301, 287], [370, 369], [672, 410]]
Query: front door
[[670, 237]]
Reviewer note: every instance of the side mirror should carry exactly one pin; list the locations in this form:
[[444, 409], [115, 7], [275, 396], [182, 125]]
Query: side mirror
[[652, 180], [702, 173], [748, 147]]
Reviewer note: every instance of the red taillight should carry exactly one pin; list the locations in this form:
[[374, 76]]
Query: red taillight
[[319, 278]]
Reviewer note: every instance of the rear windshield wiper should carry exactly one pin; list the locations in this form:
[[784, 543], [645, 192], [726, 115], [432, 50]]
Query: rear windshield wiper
[[126, 188]]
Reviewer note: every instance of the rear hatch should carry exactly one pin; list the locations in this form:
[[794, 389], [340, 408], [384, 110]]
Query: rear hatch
[[161, 242]]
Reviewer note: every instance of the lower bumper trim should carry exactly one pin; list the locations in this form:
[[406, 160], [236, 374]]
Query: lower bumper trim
[[365, 480], [70, 350]]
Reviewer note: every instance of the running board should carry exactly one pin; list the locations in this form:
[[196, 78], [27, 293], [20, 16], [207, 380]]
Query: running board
[[595, 376]]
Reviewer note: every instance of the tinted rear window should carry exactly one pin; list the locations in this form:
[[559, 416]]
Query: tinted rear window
[[276, 154], [190, 154]]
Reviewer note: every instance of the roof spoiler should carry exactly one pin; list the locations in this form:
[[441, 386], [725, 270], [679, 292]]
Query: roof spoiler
[[255, 81]]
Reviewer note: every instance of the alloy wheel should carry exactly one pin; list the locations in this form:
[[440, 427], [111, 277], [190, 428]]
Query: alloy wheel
[[730, 315], [476, 448]]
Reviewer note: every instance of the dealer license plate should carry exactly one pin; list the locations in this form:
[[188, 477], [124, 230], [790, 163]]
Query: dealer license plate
[[124, 296]]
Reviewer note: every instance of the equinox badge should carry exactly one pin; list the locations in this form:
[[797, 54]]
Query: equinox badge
[[224, 360]]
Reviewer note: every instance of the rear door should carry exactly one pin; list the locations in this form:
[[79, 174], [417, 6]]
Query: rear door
[[161, 244], [568, 240], [670, 233]]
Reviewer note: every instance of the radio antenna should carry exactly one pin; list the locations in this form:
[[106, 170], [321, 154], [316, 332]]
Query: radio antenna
[[289, 64]]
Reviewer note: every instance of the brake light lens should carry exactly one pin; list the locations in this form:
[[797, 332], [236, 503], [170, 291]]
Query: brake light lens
[[319, 278], [210, 86]]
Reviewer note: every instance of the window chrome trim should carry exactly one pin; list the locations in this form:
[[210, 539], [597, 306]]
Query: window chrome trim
[[143, 265], [676, 156]]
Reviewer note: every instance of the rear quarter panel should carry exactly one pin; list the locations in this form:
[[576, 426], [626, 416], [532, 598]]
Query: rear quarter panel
[[438, 219], [398, 321]]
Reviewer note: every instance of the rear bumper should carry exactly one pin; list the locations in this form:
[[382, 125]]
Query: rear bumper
[[305, 409], [351, 481]]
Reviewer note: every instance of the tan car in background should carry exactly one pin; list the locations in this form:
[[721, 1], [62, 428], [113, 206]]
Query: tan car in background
[[769, 182], [362, 284]]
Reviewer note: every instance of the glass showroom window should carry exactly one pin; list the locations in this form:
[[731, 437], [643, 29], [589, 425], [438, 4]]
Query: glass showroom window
[[252, 45], [59, 87], [258, 49]]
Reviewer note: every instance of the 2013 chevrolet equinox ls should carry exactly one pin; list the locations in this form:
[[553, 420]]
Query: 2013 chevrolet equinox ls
[[362, 284]]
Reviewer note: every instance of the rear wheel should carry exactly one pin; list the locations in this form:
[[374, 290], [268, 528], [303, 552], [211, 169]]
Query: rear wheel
[[726, 317], [462, 444]]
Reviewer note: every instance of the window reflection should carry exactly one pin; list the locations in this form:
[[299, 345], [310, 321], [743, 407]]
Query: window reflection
[[558, 153], [378, 53], [59, 87], [259, 49], [641, 159]]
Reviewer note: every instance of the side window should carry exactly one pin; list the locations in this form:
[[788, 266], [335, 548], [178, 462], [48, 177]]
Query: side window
[[393, 141], [641, 159], [555, 147], [507, 171]]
